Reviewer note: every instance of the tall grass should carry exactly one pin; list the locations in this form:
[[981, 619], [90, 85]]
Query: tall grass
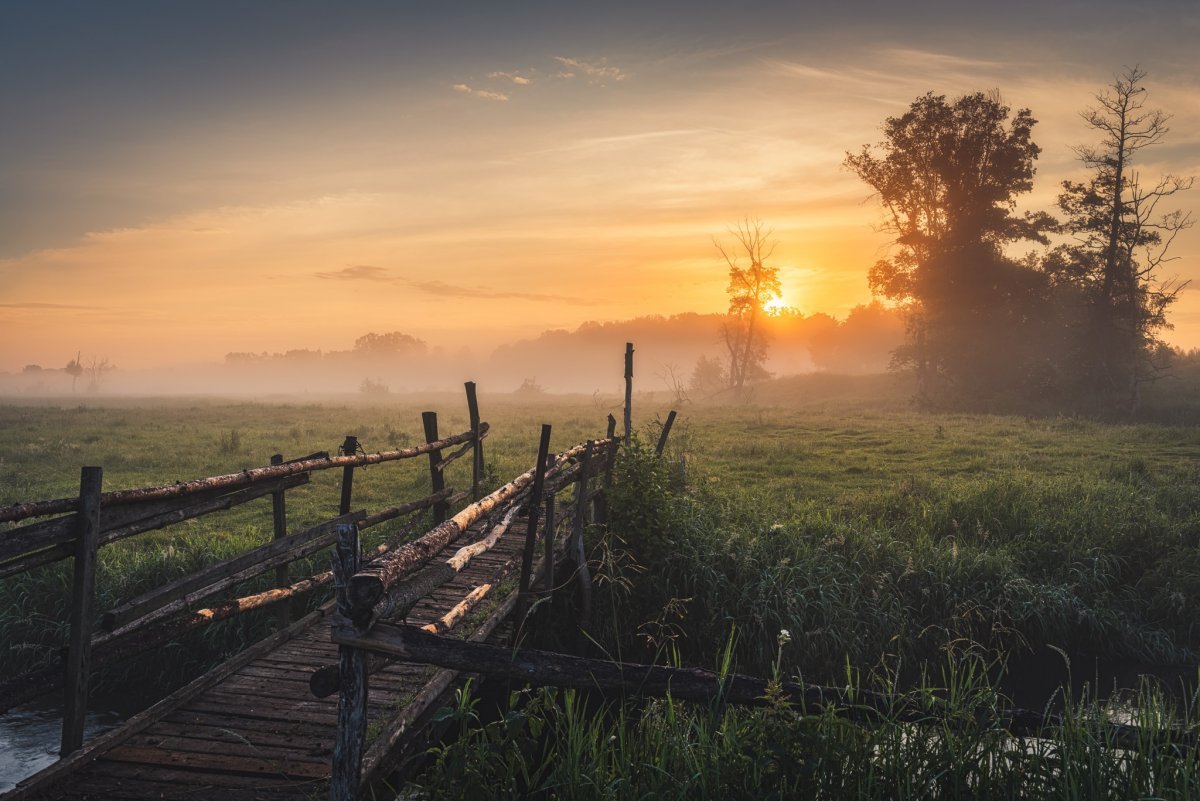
[[563, 745]]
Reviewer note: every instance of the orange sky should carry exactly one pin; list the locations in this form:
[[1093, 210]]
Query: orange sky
[[297, 188]]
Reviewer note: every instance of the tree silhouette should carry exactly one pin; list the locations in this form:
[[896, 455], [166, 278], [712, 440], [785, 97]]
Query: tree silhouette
[[750, 287], [1121, 240], [74, 369], [947, 175]]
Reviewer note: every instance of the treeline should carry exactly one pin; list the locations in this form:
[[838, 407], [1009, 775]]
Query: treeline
[[1075, 326], [684, 351]]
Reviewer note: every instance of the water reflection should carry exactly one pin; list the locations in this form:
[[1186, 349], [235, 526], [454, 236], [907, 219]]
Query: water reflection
[[29, 737]]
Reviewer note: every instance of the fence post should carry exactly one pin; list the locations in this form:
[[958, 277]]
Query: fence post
[[535, 505], [351, 736], [477, 451], [83, 591], [576, 549], [441, 509], [601, 504], [548, 537], [666, 432], [279, 519], [349, 448], [628, 393]]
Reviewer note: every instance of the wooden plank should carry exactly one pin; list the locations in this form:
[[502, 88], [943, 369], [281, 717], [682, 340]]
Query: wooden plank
[[63, 768], [192, 777], [225, 763], [191, 785], [295, 750]]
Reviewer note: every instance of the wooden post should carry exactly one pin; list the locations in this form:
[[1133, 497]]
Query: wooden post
[[601, 505], [279, 519], [666, 432], [83, 591], [548, 538], [352, 668], [535, 505], [628, 393], [477, 455], [349, 448], [441, 509], [576, 548]]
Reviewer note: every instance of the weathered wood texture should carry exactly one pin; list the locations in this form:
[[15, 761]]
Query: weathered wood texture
[[21, 511], [83, 592], [370, 585], [184, 592], [48, 541], [628, 393], [253, 730], [351, 735], [476, 441], [666, 432]]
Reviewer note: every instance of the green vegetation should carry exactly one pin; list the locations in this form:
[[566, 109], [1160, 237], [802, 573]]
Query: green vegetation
[[945, 556]]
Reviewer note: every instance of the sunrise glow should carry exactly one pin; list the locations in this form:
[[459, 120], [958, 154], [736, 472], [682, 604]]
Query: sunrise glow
[[249, 186]]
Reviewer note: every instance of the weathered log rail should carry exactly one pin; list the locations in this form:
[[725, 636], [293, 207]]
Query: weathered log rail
[[381, 587], [95, 519]]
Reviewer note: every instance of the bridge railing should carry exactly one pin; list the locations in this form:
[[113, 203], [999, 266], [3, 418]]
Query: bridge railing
[[78, 527], [387, 587]]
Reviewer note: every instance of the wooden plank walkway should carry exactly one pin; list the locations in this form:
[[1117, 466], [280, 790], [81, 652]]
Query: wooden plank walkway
[[251, 729]]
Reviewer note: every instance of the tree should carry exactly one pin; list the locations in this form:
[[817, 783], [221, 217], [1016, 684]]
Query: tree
[[394, 342], [1121, 241], [74, 369], [947, 175], [750, 287]]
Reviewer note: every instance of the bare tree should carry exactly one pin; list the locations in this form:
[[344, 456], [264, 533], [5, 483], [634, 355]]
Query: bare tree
[[1122, 240], [95, 370], [74, 369], [750, 287]]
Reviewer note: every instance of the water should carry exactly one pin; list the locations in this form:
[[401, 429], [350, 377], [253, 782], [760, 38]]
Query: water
[[30, 736]]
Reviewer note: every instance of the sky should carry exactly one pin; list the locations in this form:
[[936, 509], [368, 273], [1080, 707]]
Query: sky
[[181, 180]]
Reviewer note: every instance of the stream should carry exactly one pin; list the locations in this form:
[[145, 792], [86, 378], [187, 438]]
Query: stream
[[30, 734]]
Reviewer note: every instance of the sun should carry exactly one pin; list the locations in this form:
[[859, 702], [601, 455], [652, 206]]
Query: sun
[[775, 306]]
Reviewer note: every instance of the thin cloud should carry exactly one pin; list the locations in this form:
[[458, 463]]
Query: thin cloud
[[486, 94], [515, 77], [597, 71], [445, 290], [38, 305], [357, 272]]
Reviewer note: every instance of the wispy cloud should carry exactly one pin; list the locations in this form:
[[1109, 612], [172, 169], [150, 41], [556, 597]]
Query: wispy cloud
[[486, 94], [38, 305], [515, 77], [596, 71], [357, 272], [443, 289]]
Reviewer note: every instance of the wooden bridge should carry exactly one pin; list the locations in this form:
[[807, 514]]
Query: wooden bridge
[[266, 724]]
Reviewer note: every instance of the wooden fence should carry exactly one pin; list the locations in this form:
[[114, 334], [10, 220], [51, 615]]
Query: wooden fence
[[78, 527]]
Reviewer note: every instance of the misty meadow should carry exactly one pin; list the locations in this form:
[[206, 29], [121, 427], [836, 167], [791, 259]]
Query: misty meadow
[[599, 403]]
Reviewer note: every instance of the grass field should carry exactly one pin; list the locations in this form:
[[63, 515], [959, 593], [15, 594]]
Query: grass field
[[992, 553]]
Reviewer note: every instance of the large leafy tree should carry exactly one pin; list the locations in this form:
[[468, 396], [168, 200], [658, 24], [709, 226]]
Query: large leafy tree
[[947, 174], [1122, 237]]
